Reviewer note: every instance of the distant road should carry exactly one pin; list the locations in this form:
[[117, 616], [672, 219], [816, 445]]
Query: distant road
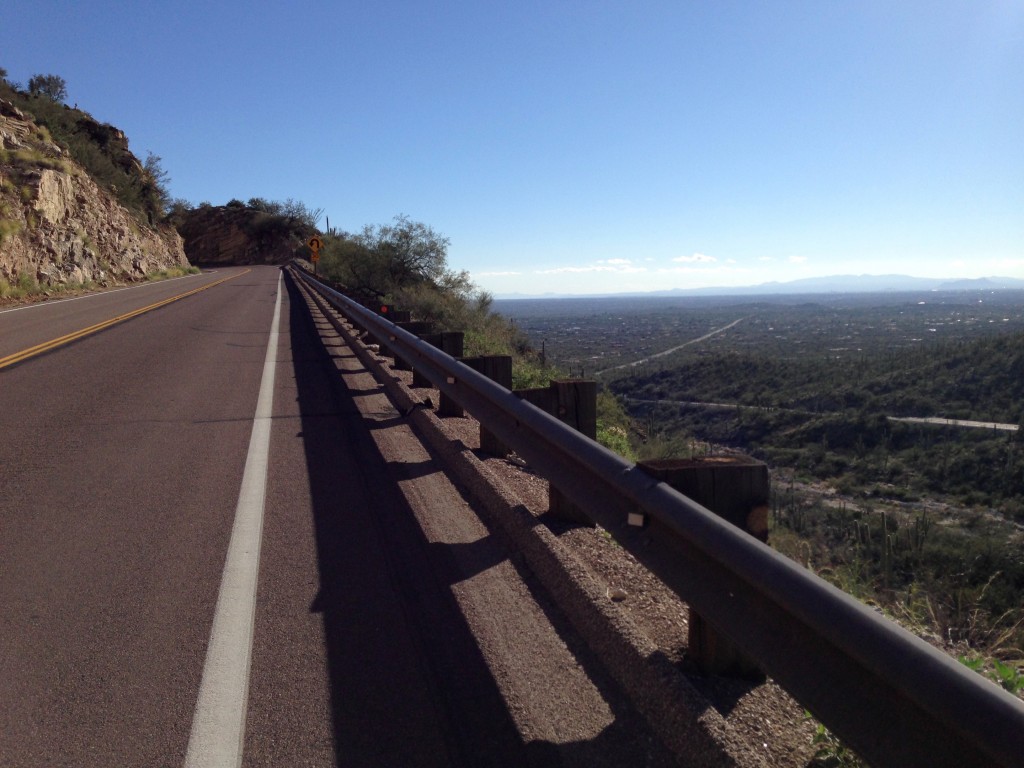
[[722, 406], [910, 419], [390, 626], [705, 337], [957, 423]]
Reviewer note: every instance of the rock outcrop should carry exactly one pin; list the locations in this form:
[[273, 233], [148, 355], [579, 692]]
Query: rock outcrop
[[237, 234], [58, 226]]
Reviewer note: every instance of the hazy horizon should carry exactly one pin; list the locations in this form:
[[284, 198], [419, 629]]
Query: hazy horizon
[[891, 283]]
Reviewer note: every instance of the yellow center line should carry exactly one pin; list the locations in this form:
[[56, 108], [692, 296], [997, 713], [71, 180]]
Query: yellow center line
[[38, 349]]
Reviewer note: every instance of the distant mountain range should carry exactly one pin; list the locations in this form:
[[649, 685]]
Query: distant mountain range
[[812, 285]]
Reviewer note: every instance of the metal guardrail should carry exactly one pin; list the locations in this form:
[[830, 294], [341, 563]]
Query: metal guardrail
[[890, 696]]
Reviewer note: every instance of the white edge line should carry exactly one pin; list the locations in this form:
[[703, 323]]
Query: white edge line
[[218, 724], [50, 303]]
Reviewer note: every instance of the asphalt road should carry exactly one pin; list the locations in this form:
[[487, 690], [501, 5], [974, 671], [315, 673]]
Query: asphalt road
[[28, 326], [390, 627]]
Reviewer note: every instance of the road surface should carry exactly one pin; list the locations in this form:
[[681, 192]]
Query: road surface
[[163, 470], [963, 423], [935, 420]]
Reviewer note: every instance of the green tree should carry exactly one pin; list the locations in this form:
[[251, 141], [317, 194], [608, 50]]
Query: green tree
[[267, 206], [355, 266], [51, 86], [300, 212], [156, 185], [178, 210], [408, 251]]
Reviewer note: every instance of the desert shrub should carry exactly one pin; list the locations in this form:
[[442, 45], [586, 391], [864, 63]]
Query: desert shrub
[[8, 228]]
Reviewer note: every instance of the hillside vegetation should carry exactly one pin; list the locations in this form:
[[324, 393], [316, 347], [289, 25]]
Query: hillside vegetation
[[981, 380], [77, 208], [916, 519], [828, 418], [257, 232], [405, 263], [100, 148]]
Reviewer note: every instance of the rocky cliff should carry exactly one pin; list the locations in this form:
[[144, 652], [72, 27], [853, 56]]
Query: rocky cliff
[[57, 226], [239, 234]]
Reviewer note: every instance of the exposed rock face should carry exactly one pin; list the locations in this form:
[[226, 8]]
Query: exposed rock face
[[235, 234], [58, 226]]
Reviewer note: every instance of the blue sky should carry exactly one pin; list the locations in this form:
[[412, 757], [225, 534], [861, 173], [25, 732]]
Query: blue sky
[[581, 147]]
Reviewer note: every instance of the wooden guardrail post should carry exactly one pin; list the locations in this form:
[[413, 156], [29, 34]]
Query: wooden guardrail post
[[450, 342], [367, 337], [736, 488], [573, 402], [386, 311], [416, 327], [354, 322], [497, 368]]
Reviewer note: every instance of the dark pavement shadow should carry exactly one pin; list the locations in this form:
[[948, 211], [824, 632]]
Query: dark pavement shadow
[[408, 684]]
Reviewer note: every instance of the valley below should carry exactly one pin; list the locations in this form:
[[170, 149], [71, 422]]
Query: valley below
[[890, 423]]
